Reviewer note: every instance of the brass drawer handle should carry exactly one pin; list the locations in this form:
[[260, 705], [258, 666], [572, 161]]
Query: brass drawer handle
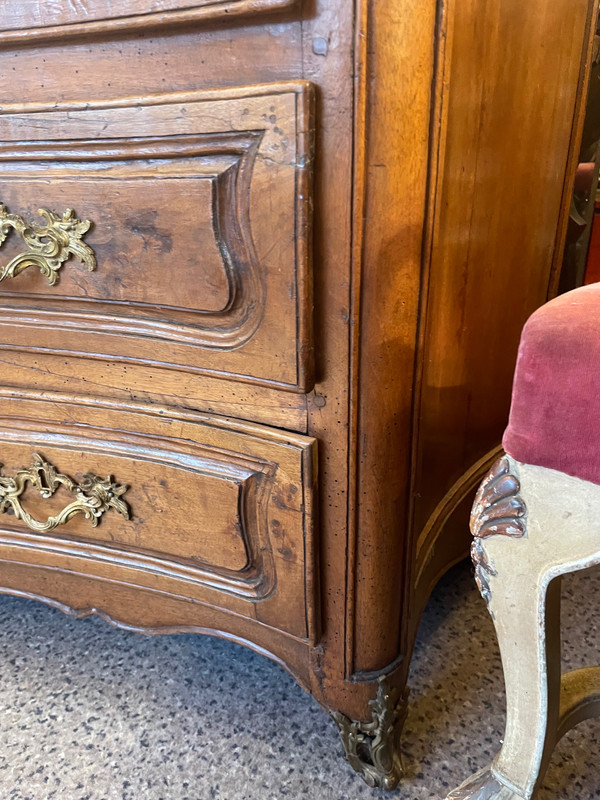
[[49, 246], [93, 496]]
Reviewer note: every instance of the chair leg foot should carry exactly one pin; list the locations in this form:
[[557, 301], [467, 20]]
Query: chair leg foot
[[373, 748], [484, 786]]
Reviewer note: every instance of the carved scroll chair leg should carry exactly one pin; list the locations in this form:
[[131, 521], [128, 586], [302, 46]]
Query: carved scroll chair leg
[[531, 525]]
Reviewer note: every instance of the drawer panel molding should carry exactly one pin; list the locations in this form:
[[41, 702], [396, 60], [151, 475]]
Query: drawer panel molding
[[218, 514], [44, 20], [201, 204], [215, 248]]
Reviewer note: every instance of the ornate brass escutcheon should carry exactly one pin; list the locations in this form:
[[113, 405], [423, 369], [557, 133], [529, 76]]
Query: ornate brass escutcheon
[[49, 245], [93, 496]]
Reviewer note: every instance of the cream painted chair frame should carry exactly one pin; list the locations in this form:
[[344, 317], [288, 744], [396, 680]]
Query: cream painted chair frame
[[531, 525]]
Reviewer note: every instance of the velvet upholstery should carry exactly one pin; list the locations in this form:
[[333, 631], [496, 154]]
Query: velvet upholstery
[[555, 412]]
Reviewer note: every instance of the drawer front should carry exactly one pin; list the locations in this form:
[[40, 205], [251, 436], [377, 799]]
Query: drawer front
[[27, 20], [214, 511], [188, 242]]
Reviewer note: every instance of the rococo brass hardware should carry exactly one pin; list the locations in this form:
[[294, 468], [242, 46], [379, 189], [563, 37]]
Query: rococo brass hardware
[[49, 246], [93, 496]]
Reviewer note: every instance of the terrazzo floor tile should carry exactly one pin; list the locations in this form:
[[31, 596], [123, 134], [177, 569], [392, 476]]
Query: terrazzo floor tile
[[88, 712]]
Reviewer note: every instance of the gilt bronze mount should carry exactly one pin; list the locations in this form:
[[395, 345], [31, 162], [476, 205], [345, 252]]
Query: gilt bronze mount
[[373, 748], [49, 245], [93, 495]]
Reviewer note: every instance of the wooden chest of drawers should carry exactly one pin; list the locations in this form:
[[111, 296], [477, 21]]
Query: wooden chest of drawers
[[239, 315]]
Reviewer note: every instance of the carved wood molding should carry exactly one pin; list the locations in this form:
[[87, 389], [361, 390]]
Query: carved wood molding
[[254, 478], [459, 490], [162, 628], [222, 510], [231, 281], [229, 160], [94, 17]]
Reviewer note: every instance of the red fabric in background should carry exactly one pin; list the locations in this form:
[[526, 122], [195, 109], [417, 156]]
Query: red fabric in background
[[555, 412]]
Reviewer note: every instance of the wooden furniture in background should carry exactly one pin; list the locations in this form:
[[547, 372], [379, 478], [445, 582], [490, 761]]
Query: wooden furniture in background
[[310, 224]]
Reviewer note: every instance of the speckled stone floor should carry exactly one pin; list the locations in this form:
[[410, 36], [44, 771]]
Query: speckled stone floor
[[88, 712]]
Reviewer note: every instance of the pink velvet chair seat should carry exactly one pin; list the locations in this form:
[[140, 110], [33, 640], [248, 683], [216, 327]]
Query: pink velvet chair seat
[[555, 412]]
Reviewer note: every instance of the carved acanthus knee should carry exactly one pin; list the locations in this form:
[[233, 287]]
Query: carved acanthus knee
[[498, 510]]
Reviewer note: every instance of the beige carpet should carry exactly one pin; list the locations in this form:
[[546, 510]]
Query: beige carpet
[[88, 712]]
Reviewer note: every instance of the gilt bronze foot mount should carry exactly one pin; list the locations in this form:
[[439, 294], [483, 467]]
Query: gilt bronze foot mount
[[373, 748]]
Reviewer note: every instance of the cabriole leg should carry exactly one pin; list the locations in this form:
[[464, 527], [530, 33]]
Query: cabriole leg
[[530, 525], [532, 678]]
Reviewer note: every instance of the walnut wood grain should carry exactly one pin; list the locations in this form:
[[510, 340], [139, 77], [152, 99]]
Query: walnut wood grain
[[189, 259], [421, 269], [389, 216], [499, 197], [120, 383], [43, 21], [219, 513]]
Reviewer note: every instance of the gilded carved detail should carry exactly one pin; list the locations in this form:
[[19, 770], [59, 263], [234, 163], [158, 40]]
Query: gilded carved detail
[[198, 279], [498, 510], [49, 245], [93, 495]]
